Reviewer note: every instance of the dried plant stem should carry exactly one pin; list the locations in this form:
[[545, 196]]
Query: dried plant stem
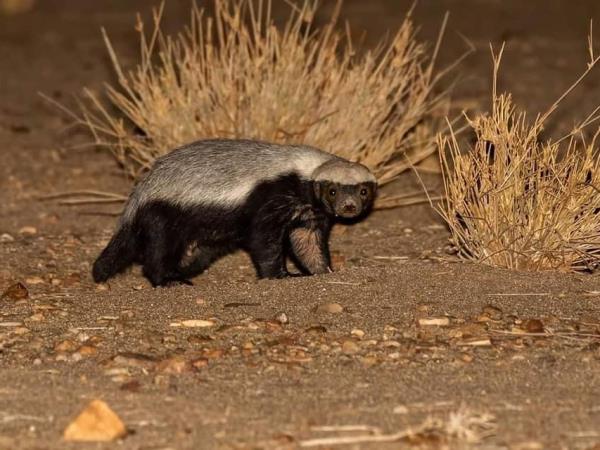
[[516, 202], [87, 192], [361, 438], [235, 74]]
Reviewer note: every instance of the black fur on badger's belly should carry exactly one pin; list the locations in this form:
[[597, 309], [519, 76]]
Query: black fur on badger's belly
[[279, 218]]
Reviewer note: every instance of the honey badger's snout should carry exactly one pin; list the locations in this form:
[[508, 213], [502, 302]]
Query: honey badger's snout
[[349, 207]]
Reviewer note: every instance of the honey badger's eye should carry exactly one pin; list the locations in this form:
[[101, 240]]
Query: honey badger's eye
[[332, 192], [363, 192]]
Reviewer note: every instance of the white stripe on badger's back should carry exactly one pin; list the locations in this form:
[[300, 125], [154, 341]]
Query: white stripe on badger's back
[[220, 172]]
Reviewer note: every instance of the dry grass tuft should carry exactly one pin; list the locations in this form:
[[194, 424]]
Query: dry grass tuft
[[235, 74], [515, 202]]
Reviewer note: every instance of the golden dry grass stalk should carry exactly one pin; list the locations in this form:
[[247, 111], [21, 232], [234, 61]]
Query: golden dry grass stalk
[[235, 74], [516, 202]]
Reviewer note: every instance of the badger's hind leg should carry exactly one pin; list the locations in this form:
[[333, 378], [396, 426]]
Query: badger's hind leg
[[163, 250], [267, 253], [161, 259], [265, 244]]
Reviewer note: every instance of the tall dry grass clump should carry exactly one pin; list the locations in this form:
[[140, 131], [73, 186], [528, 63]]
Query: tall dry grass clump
[[514, 201], [235, 74]]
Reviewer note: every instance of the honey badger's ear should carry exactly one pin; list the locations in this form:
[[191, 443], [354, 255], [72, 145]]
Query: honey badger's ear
[[374, 188]]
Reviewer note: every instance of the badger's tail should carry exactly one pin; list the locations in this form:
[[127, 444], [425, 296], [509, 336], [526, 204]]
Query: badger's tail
[[119, 254]]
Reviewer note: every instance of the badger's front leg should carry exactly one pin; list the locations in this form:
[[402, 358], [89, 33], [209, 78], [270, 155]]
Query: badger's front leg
[[266, 251], [309, 242], [266, 239]]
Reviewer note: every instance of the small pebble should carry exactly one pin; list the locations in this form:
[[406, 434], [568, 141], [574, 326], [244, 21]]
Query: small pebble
[[5, 237], [87, 350], [65, 346], [28, 231], [492, 312], [17, 291], [400, 409], [199, 363], [131, 386], [10, 324], [369, 361], [34, 280], [331, 308], [434, 321], [37, 317], [350, 347], [97, 422], [476, 343], [465, 357], [82, 337], [117, 372], [193, 323], [175, 366], [282, 318], [358, 333], [534, 326]]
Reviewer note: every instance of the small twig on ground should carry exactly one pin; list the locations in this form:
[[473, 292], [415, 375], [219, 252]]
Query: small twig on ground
[[549, 334], [85, 192], [583, 434], [6, 417], [521, 294], [363, 438], [85, 201], [368, 428], [592, 293], [100, 213], [518, 333], [91, 328], [391, 258]]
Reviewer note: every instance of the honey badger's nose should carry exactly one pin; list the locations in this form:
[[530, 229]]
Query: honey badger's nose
[[350, 207]]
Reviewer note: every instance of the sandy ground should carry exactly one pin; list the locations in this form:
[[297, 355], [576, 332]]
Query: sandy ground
[[279, 360]]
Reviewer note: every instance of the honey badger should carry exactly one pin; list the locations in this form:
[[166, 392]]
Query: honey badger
[[219, 195]]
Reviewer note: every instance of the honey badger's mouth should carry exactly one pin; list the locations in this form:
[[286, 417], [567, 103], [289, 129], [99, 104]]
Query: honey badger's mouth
[[348, 213], [347, 216]]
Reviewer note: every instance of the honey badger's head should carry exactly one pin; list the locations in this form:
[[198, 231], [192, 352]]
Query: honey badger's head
[[346, 190]]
